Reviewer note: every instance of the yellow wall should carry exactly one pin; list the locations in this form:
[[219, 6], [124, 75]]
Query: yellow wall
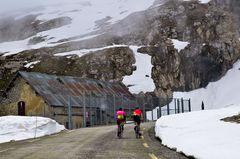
[[34, 104]]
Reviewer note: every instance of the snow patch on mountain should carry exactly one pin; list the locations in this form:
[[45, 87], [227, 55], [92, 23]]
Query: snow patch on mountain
[[140, 80], [179, 45], [86, 51], [31, 64], [201, 1]]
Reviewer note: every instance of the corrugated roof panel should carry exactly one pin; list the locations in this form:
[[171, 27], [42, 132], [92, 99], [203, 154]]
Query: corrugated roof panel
[[76, 101], [121, 89], [116, 90], [110, 89], [94, 89], [52, 100], [75, 89], [62, 99], [56, 89]]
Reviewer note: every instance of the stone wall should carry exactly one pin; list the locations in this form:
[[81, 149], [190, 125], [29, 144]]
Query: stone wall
[[21, 91]]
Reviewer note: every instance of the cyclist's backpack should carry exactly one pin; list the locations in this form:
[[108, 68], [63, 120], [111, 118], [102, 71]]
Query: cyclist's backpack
[[120, 115]]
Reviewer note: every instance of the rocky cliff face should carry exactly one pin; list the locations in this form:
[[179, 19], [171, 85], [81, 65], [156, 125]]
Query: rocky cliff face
[[109, 64], [211, 30], [213, 47]]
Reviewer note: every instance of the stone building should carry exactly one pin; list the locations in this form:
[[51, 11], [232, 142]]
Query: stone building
[[72, 101]]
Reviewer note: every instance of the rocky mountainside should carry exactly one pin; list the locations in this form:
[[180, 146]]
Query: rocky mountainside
[[211, 30]]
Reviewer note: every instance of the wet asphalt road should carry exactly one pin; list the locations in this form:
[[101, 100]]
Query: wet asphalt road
[[91, 143]]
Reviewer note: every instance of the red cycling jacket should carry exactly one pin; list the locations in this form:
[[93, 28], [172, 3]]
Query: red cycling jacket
[[137, 112]]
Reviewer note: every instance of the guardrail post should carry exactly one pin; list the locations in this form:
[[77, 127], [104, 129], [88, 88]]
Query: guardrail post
[[178, 106], [175, 105], [84, 110], [189, 104], [182, 105], [114, 108], [202, 105], [69, 113], [168, 110], [160, 109]]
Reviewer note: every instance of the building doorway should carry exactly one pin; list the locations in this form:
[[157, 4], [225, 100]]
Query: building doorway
[[21, 108]]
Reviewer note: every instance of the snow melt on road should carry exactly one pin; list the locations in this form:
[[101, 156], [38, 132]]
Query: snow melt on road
[[20, 128], [141, 79], [201, 133]]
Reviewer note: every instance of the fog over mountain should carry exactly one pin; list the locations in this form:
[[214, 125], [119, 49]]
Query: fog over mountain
[[15, 5]]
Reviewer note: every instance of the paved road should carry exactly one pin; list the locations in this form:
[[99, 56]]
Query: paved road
[[89, 143]]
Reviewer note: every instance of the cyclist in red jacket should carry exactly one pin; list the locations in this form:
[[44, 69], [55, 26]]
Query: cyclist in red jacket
[[137, 114]]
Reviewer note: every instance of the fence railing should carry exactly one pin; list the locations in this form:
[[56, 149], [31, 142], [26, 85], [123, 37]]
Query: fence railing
[[169, 106], [176, 106]]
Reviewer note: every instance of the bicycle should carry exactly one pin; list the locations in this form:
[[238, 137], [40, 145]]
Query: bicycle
[[120, 130], [137, 131]]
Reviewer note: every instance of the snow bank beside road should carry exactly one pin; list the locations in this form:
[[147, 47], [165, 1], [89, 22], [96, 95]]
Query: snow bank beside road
[[201, 133], [20, 128]]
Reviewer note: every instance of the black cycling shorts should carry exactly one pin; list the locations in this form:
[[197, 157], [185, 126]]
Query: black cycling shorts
[[120, 121], [137, 119]]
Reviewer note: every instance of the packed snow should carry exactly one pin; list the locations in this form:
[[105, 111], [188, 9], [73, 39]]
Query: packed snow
[[201, 133], [141, 79], [13, 128]]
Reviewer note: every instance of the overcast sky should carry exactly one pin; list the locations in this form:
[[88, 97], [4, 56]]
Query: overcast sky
[[18, 4], [10, 5]]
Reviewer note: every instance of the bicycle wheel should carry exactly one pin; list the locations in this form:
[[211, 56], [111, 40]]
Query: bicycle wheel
[[119, 131], [137, 131]]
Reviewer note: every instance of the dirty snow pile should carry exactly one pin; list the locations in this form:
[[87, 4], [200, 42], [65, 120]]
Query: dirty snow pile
[[19, 128]]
